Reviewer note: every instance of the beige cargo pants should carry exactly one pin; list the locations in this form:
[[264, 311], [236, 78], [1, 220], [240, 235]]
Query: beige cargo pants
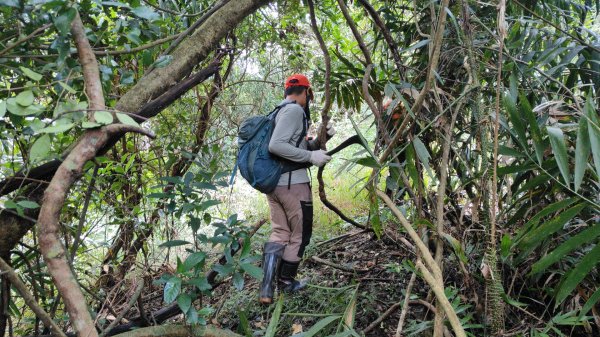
[[291, 219]]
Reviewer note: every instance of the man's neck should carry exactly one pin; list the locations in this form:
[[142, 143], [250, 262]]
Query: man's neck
[[294, 98]]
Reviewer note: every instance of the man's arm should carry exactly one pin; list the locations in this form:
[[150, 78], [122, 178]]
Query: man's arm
[[289, 121]]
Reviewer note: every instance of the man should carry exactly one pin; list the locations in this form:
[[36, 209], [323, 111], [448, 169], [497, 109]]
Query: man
[[291, 201]]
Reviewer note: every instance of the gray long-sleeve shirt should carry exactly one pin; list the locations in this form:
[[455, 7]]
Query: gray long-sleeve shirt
[[288, 130]]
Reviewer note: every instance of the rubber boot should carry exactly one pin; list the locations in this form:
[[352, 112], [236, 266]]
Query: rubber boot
[[287, 277], [271, 258]]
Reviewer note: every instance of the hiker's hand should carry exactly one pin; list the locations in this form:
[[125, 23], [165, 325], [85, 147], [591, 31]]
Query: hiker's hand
[[319, 158], [330, 130]]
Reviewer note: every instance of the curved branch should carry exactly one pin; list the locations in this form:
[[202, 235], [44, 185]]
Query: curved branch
[[387, 35], [179, 331], [355, 32]]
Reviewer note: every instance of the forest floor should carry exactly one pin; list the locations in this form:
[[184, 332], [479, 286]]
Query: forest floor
[[353, 270]]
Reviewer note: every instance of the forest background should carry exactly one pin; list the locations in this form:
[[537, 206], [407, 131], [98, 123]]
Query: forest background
[[472, 207]]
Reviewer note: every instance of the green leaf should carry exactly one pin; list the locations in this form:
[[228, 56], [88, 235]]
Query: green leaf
[[145, 13], [2, 108], [25, 98], [423, 154], [200, 283], [516, 121], [582, 152], [593, 131], [16, 109], [534, 128], [184, 301], [206, 204], [544, 231], [550, 209], [90, 125], [272, 328], [174, 243], [125, 119], [172, 289], [163, 61], [252, 270], [559, 148], [31, 74], [58, 128], [566, 247], [40, 149], [103, 117], [457, 247], [570, 280], [28, 204], [67, 87], [238, 281], [590, 303], [63, 21], [193, 260], [320, 325]]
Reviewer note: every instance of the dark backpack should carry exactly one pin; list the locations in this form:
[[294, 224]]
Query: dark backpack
[[257, 165]]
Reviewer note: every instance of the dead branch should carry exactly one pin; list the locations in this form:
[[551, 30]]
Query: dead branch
[[132, 300], [29, 299], [26, 38], [404, 311], [337, 266]]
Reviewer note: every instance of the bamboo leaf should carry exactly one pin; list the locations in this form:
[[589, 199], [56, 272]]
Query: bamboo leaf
[[320, 325], [534, 128], [423, 154], [272, 328], [559, 148], [593, 132], [565, 248], [550, 209], [517, 122], [543, 232], [582, 152], [577, 274], [590, 303]]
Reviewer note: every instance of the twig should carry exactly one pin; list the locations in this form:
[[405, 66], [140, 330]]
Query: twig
[[137, 49], [86, 203], [404, 311], [337, 266], [383, 316], [28, 298], [130, 304], [355, 32], [28, 37]]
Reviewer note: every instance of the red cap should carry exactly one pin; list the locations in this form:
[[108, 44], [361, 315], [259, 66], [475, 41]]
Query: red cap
[[297, 80]]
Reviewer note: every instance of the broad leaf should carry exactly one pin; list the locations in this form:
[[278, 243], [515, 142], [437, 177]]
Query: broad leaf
[[125, 119], [193, 260], [252, 270], [25, 98], [172, 289], [103, 117], [58, 128], [184, 301], [31, 74], [40, 149]]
